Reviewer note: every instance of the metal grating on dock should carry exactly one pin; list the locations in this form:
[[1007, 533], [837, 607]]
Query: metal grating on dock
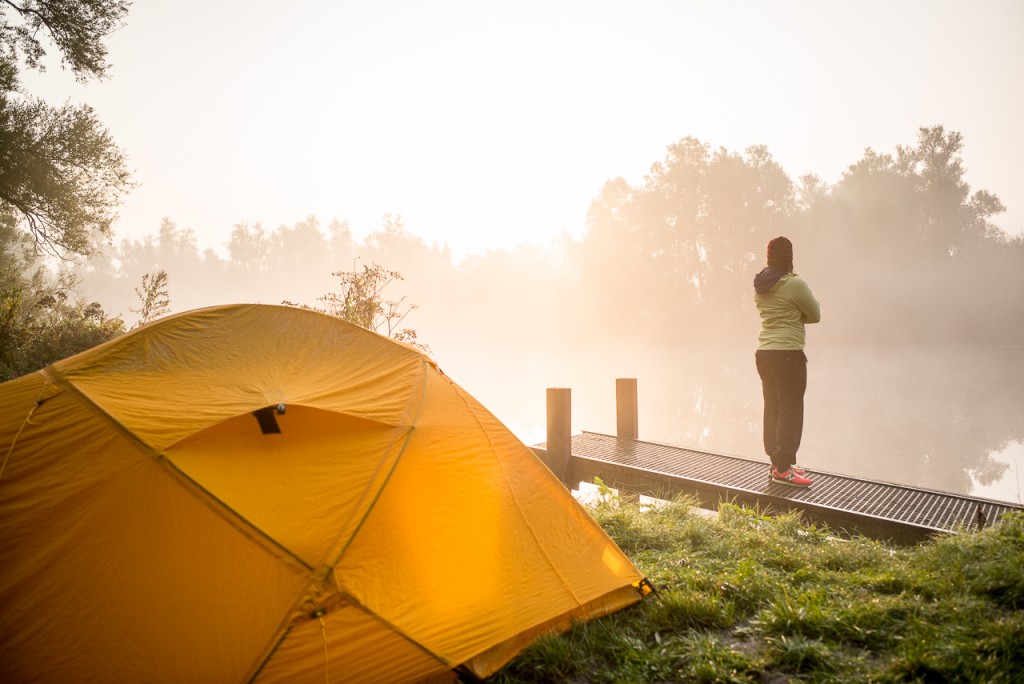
[[899, 512]]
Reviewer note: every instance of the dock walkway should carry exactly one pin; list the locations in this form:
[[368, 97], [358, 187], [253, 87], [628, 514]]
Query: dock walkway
[[895, 512]]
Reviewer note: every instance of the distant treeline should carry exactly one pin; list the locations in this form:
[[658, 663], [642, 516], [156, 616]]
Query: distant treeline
[[899, 251]]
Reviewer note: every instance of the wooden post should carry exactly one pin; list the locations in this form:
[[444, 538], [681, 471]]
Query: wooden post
[[559, 431], [626, 423]]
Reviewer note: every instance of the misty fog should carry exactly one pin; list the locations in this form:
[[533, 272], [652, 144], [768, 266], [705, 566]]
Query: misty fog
[[915, 372]]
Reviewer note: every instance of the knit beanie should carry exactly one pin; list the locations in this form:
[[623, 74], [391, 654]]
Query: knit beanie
[[780, 254]]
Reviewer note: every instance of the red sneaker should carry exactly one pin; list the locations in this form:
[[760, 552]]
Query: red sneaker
[[791, 478], [794, 468]]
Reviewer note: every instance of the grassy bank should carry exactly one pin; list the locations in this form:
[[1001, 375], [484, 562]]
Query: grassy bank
[[744, 597]]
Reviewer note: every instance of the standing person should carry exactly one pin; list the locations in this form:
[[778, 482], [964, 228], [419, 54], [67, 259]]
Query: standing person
[[786, 304]]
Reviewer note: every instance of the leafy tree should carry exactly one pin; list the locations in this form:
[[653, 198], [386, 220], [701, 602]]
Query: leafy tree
[[42, 319], [51, 328], [952, 221], [154, 300], [61, 175], [661, 256], [250, 249], [906, 251], [911, 208], [615, 256], [361, 301]]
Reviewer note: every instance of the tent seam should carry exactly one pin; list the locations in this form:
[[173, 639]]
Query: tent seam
[[411, 422], [318, 575], [202, 494], [358, 605], [515, 497], [352, 600], [327, 568]]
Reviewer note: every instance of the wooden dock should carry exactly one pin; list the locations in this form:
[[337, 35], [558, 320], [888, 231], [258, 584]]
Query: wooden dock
[[882, 510]]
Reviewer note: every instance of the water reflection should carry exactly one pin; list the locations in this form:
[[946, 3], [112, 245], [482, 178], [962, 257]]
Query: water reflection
[[1008, 482], [945, 419]]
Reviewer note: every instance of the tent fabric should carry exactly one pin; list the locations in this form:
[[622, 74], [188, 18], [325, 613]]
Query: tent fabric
[[392, 530]]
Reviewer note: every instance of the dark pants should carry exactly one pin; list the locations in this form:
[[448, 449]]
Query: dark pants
[[783, 382]]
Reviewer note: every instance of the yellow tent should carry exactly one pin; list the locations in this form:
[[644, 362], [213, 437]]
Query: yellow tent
[[267, 494]]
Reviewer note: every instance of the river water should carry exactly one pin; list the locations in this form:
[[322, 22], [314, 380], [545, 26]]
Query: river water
[[949, 419]]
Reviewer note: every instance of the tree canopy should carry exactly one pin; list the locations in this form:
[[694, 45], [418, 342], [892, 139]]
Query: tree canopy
[[62, 177]]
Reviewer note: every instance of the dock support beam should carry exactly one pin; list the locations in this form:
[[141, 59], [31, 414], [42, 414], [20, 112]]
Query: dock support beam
[[559, 431], [626, 412]]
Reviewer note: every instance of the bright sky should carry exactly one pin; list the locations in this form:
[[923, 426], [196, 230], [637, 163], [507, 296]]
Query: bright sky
[[487, 124]]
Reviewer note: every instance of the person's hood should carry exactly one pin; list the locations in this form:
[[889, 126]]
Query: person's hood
[[766, 279]]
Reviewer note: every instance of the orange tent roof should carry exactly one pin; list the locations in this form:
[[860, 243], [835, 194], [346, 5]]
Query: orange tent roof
[[155, 527]]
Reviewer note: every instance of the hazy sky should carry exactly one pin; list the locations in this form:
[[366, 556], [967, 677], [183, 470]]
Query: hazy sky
[[486, 124]]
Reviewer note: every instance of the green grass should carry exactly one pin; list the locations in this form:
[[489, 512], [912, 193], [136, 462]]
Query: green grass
[[749, 597]]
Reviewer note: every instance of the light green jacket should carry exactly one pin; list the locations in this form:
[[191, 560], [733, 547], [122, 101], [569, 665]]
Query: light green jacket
[[784, 310]]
